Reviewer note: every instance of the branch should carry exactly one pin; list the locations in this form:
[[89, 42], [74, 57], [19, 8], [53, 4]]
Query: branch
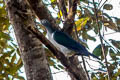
[[102, 45], [62, 7], [102, 4], [76, 71], [69, 22], [85, 68], [72, 9], [69, 4], [41, 11]]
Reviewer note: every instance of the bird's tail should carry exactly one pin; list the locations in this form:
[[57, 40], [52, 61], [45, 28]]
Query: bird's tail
[[94, 56], [86, 53]]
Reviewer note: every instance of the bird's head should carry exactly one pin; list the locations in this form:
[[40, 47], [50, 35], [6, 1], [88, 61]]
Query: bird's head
[[47, 25]]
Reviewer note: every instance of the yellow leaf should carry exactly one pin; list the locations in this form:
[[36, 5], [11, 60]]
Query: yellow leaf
[[60, 14], [81, 23], [5, 30], [52, 1], [106, 24]]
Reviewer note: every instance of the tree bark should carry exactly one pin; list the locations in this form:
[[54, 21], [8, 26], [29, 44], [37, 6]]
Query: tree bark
[[32, 51]]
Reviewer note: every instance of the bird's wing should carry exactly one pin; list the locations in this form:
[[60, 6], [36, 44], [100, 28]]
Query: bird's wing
[[67, 41]]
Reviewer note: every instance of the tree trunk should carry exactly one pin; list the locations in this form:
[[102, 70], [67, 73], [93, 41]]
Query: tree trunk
[[32, 51]]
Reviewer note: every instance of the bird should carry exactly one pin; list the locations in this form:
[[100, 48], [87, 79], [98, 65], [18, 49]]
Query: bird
[[64, 42]]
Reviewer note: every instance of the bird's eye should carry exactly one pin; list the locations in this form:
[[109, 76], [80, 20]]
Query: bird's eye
[[43, 21]]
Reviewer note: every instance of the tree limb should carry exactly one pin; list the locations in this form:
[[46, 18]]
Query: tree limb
[[102, 45], [76, 71], [41, 11], [69, 4], [31, 49], [69, 22], [62, 7]]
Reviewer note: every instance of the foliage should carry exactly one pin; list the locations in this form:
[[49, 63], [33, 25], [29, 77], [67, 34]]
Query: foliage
[[10, 60]]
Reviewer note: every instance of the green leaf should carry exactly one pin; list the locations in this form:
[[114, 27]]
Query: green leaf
[[19, 64], [60, 66], [12, 70], [97, 51], [51, 62], [3, 43], [13, 59], [56, 67], [15, 45], [118, 22], [95, 28], [108, 16], [1, 67], [110, 24], [112, 53], [117, 73], [4, 35], [10, 47], [1, 77], [5, 55], [90, 37], [118, 53], [95, 25], [19, 77], [108, 7], [6, 61], [2, 12], [8, 53], [18, 52], [103, 66], [115, 43]]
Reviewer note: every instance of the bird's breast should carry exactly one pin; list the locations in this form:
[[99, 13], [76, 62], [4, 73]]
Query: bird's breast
[[58, 46]]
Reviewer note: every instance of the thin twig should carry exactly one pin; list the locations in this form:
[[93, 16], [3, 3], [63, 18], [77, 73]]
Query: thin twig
[[91, 59], [85, 68], [102, 5], [107, 34], [99, 3], [69, 4], [110, 45], [90, 66], [58, 72], [95, 69], [102, 45]]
